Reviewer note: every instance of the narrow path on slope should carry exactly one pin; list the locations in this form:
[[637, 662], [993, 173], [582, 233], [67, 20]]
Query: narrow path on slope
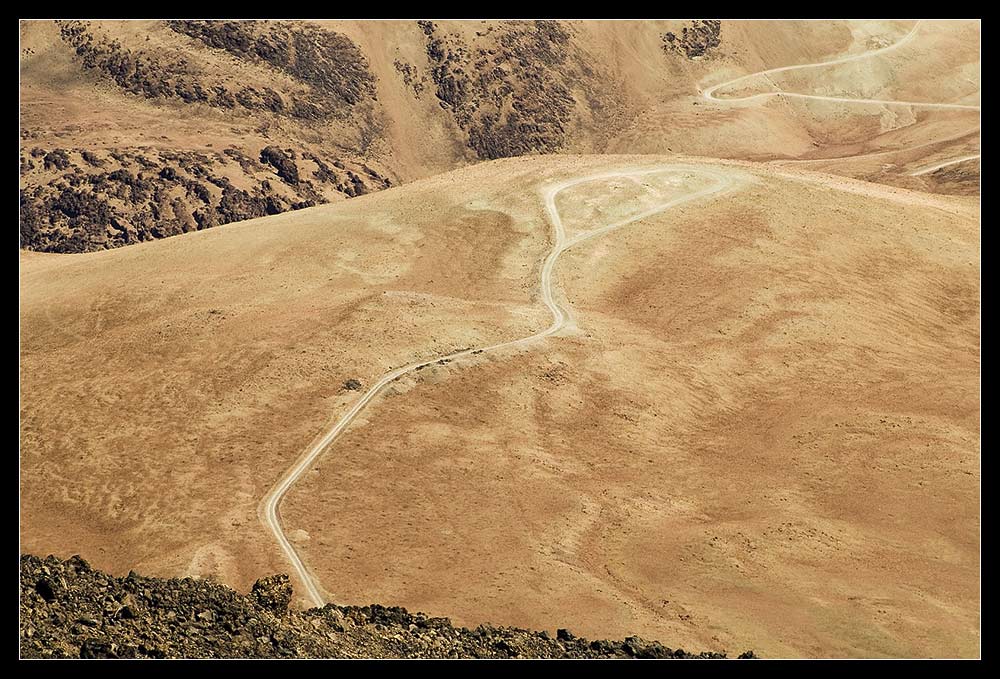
[[875, 154], [561, 316], [946, 163], [710, 94]]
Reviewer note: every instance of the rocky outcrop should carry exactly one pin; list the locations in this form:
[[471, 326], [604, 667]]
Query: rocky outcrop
[[329, 64], [696, 40], [411, 77], [282, 161], [332, 72], [512, 88], [151, 75], [70, 610], [78, 200], [273, 593]]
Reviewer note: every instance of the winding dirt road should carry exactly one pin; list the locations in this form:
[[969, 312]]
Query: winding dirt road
[[268, 509], [710, 93], [946, 163], [875, 154]]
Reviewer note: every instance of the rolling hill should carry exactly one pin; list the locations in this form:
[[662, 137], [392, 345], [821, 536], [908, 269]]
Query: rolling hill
[[759, 429]]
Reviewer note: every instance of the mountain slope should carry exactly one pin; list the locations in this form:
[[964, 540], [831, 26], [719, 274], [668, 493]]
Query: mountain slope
[[135, 130], [69, 610], [738, 369]]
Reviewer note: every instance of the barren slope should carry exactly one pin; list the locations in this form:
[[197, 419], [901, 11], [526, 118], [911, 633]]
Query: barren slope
[[763, 432], [135, 130]]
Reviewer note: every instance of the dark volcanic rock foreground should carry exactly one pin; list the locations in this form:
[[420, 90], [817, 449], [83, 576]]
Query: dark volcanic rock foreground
[[69, 610]]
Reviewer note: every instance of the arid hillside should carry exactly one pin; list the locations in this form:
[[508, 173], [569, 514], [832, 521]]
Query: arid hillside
[[70, 610], [136, 130], [758, 428]]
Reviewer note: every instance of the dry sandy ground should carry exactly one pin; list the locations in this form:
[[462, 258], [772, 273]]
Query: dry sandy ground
[[764, 432]]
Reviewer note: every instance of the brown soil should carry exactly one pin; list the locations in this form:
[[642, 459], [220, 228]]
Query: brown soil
[[763, 433]]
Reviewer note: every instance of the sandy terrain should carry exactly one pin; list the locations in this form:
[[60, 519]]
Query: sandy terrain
[[763, 431], [758, 428]]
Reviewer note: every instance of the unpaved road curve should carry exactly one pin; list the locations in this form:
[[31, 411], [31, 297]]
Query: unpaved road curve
[[875, 154], [710, 93], [268, 508], [946, 163]]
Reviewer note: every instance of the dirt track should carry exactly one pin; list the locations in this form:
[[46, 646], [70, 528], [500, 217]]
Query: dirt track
[[756, 425], [710, 93], [560, 317], [269, 508]]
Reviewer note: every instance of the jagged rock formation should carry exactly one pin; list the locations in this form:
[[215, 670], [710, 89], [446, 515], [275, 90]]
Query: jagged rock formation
[[411, 77], [76, 200], [291, 80], [330, 70], [69, 610], [328, 63], [515, 94], [695, 40]]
